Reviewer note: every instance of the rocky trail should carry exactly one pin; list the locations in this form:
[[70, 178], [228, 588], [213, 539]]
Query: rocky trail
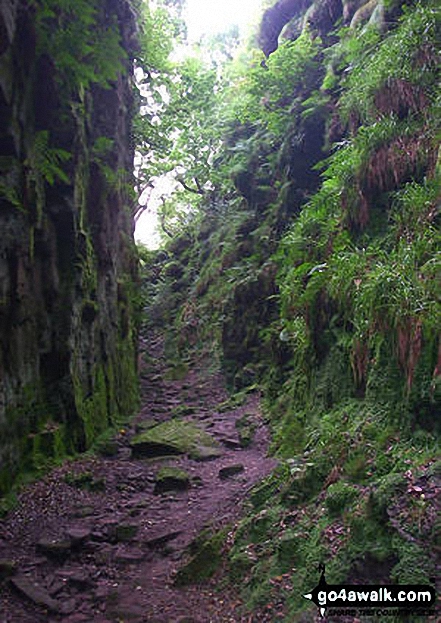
[[111, 537]]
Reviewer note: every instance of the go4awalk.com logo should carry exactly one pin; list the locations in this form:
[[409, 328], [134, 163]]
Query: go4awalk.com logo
[[378, 599]]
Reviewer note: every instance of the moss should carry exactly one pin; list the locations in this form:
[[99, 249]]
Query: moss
[[123, 382], [92, 408], [34, 440], [171, 479], [369, 534], [246, 429], [85, 480], [205, 560], [114, 396], [48, 445], [269, 488], [236, 400], [239, 566], [263, 524], [106, 445], [173, 437], [182, 410], [176, 372], [414, 566], [287, 550], [339, 497], [388, 488]]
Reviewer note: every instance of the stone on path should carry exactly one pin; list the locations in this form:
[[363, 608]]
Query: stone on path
[[162, 540], [78, 536], [35, 593], [233, 444], [231, 470], [172, 437], [131, 556], [7, 568], [58, 549], [206, 454], [171, 479], [124, 532]]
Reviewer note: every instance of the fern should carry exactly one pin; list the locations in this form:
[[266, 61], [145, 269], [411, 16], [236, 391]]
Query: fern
[[43, 165], [83, 50], [372, 64], [45, 161], [9, 181]]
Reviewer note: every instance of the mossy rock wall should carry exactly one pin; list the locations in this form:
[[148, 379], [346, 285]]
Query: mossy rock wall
[[67, 361]]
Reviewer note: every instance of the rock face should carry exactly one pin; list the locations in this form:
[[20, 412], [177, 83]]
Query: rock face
[[290, 16], [67, 261]]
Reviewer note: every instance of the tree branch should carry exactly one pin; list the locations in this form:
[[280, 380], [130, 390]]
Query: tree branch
[[161, 214], [197, 191]]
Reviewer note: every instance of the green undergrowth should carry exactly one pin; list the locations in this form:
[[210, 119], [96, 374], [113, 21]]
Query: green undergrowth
[[347, 493], [372, 524], [205, 557], [317, 283]]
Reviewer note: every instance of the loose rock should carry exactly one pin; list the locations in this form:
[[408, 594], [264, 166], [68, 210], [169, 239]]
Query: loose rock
[[35, 593], [230, 471]]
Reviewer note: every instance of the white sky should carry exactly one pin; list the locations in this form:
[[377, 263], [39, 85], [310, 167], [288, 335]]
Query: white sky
[[212, 16], [203, 17]]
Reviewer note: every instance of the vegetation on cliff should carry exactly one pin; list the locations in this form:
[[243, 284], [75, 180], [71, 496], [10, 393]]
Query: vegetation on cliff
[[309, 266], [67, 260], [301, 255]]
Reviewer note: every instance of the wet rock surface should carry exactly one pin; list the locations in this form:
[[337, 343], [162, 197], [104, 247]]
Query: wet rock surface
[[121, 551]]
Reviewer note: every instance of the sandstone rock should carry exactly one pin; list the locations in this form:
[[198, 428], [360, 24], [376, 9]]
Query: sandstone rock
[[230, 470], [83, 511], [124, 532], [171, 479], [233, 444], [172, 437], [68, 606], [7, 568], [35, 593], [58, 549], [160, 541], [78, 536], [131, 556], [78, 577], [206, 454]]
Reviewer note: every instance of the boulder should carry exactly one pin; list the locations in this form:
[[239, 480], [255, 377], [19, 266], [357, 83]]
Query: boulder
[[230, 471], [173, 437], [171, 479], [35, 593]]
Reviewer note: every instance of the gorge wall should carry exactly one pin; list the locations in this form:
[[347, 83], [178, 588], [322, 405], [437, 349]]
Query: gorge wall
[[316, 281], [67, 260]]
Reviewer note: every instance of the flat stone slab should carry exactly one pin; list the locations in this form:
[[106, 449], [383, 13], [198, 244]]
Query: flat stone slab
[[54, 548], [7, 568], [124, 532], [148, 449], [162, 540], [171, 479], [78, 577], [77, 535], [173, 437], [230, 471], [206, 454], [131, 556], [35, 593], [233, 444]]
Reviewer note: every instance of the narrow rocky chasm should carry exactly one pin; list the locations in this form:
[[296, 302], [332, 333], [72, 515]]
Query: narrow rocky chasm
[[109, 537]]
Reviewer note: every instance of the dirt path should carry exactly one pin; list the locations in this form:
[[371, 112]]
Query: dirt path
[[95, 541]]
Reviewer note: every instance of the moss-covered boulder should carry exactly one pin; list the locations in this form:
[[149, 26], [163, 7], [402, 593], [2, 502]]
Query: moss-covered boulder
[[171, 479], [206, 557], [173, 438]]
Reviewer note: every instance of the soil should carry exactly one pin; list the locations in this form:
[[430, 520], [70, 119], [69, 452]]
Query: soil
[[97, 541]]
